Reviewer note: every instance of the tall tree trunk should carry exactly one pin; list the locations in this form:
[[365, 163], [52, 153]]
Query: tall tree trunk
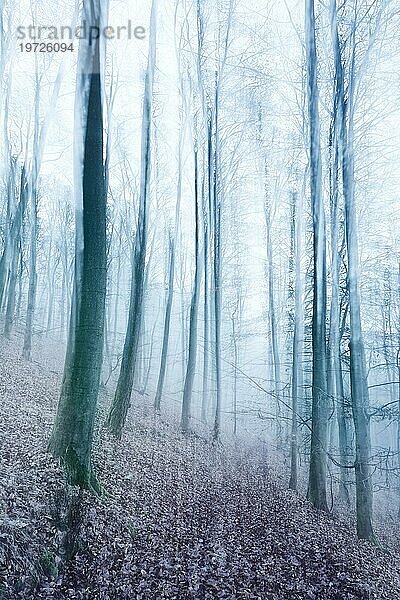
[[146, 377], [398, 379], [10, 185], [116, 292], [51, 273], [121, 402], [33, 197], [217, 270], [272, 312], [236, 317], [167, 324], [317, 473], [30, 311], [15, 234], [20, 281], [206, 314], [334, 357], [194, 309], [358, 373], [208, 229], [298, 334], [72, 435]]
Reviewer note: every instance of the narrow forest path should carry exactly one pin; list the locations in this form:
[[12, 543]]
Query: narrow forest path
[[179, 519]]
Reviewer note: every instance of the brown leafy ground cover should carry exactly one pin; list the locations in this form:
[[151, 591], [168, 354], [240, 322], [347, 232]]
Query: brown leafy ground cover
[[179, 519]]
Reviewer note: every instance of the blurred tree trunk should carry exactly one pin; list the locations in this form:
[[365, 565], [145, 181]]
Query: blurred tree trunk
[[167, 324], [298, 334], [273, 327], [217, 269], [72, 435], [207, 203], [16, 233], [358, 373], [398, 377], [194, 309], [122, 398], [317, 472]]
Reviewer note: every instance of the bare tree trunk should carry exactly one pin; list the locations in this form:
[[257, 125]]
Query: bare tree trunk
[[20, 281], [72, 435], [51, 274], [298, 334], [151, 352], [398, 379], [272, 314], [206, 317], [121, 402], [116, 292], [10, 311], [217, 271], [358, 374], [16, 232], [194, 309], [387, 333], [236, 316], [10, 187], [64, 306], [317, 473], [33, 197], [334, 358], [167, 323], [141, 372], [30, 311]]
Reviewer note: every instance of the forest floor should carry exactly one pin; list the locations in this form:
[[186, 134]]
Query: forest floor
[[179, 519]]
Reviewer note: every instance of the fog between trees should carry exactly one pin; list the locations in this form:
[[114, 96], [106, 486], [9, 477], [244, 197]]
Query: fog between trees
[[207, 220]]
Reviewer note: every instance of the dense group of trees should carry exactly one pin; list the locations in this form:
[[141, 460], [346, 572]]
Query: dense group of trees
[[231, 259]]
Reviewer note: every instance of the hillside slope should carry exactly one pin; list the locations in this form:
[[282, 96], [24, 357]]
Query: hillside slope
[[178, 519]]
